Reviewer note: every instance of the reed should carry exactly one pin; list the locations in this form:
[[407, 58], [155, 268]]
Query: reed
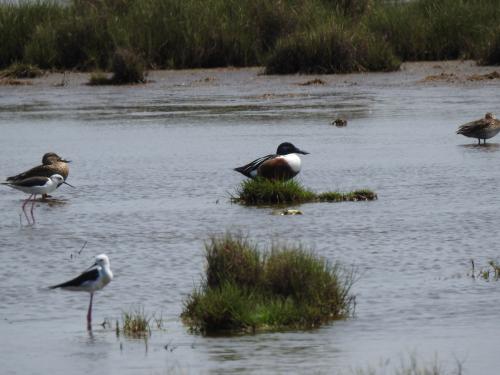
[[491, 53], [435, 29], [246, 289], [321, 36]]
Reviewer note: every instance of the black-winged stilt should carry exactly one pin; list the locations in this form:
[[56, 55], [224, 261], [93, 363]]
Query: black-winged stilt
[[96, 277], [35, 186]]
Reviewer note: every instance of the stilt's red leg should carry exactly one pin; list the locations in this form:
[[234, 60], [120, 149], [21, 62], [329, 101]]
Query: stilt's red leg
[[89, 313], [24, 205], [33, 206]]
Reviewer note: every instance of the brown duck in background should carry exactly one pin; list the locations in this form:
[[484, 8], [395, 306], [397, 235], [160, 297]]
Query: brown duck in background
[[51, 164], [484, 128]]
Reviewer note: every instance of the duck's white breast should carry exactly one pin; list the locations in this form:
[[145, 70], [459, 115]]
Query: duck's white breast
[[293, 161]]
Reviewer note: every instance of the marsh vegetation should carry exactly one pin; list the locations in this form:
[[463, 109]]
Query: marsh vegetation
[[137, 323], [491, 272], [318, 36], [260, 191], [246, 289]]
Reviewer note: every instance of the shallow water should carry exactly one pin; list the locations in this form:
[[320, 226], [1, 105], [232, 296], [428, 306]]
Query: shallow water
[[152, 166]]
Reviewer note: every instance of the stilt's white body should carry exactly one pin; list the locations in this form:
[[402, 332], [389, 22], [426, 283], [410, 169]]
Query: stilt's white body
[[51, 185]]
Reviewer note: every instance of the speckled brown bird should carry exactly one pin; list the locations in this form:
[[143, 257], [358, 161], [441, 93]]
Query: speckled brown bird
[[51, 164], [484, 128]]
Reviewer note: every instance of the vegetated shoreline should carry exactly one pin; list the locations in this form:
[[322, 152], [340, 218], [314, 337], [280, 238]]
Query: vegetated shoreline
[[411, 73], [316, 36]]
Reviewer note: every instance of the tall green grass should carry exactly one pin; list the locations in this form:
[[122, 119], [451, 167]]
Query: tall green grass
[[287, 36], [435, 29], [247, 289]]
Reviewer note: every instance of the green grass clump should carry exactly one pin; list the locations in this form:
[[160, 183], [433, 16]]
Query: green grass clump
[[127, 67], [260, 191], [21, 70], [137, 323], [232, 259], [353, 196], [490, 273], [99, 79], [288, 287]]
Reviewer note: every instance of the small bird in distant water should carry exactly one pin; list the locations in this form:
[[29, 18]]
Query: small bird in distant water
[[94, 278], [484, 128], [339, 122], [51, 164], [35, 186], [283, 165]]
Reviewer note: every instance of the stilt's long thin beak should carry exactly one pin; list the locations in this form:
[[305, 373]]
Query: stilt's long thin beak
[[95, 264], [64, 182], [65, 161]]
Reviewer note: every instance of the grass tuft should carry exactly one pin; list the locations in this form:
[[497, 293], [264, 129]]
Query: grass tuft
[[127, 67], [21, 70], [137, 323], [99, 79], [490, 273], [288, 287], [260, 191]]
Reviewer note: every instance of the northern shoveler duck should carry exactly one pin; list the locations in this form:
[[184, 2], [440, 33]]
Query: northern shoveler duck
[[51, 164], [283, 165], [34, 186], [96, 277], [484, 128]]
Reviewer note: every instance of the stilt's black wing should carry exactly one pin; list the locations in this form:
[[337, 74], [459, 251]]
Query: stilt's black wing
[[90, 275], [30, 182], [254, 165], [40, 170]]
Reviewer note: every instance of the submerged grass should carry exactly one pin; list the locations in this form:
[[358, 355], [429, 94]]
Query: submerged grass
[[287, 36], [489, 273], [137, 323], [246, 289], [260, 191]]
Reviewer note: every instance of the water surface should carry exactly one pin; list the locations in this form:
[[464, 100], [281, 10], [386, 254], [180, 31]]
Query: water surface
[[152, 165]]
